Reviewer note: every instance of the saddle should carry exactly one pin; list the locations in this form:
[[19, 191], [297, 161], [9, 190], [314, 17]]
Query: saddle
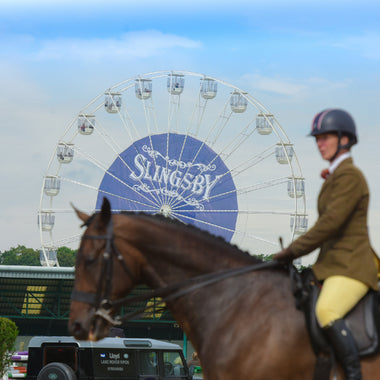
[[363, 320]]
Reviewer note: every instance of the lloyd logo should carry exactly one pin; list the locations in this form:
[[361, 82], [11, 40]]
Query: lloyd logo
[[183, 181]]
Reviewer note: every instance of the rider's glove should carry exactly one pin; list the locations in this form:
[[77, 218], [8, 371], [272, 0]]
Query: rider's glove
[[285, 256]]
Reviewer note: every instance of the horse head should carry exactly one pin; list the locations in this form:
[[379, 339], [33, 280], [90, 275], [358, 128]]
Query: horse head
[[98, 261]]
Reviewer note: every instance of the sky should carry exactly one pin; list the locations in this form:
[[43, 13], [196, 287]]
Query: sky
[[296, 57]]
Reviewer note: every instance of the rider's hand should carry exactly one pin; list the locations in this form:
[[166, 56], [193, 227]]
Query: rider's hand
[[284, 256]]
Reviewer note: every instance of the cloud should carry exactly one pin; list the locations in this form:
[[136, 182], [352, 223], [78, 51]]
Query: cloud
[[290, 87], [138, 44], [366, 44]]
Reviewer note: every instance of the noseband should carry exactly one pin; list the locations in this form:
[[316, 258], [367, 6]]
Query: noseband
[[101, 300]]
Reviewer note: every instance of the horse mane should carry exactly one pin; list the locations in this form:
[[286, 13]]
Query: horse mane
[[192, 229]]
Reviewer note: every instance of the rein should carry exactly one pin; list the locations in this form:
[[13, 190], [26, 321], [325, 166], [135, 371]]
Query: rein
[[103, 304], [171, 292]]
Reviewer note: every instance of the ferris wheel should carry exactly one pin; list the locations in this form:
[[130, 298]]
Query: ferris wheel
[[188, 146]]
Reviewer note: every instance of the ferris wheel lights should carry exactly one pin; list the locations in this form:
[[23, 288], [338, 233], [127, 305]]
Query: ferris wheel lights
[[296, 187], [175, 84], [86, 124], [65, 153], [52, 185], [209, 88], [264, 123], [238, 102], [112, 102], [46, 220], [298, 223], [143, 88], [284, 153]]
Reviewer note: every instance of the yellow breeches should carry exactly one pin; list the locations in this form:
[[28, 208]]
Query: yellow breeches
[[338, 296]]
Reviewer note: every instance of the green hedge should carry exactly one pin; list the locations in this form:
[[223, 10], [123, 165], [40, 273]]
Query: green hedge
[[8, 335]]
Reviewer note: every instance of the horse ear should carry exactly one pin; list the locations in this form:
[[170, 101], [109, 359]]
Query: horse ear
[[81, 215], [105, 211]]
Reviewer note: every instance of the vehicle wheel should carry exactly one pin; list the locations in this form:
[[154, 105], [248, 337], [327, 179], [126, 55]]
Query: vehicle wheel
[[57, 371]]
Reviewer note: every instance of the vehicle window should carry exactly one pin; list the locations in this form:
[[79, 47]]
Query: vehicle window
[[148, 363], [173, 364]]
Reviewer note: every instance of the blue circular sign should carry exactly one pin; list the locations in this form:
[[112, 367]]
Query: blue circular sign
[[176, 175]]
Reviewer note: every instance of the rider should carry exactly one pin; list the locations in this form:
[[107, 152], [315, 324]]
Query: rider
[[346, 263]]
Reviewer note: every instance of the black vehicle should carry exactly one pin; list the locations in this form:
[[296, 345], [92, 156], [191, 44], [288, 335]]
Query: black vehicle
[[65, 358]]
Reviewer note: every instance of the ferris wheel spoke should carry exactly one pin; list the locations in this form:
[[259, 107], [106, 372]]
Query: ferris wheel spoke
[[193, 163], [238, 170], [219, 124], [237, 142], [137, 190], [196, 106], [197, 117], [252, 236], [248, 189], [94, 188], [128, 124], [150, 114], [240, 211], [263, 185], [247, 164], [63, 241], [154, 192]]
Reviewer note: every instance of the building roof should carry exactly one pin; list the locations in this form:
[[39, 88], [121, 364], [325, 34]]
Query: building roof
[[31, 292], [21, 271]]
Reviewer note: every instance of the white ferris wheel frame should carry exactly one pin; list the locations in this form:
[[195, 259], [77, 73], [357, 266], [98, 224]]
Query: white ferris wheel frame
[[299, 208]]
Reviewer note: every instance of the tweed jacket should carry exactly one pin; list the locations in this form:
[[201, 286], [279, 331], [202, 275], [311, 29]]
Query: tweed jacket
[[341, 230]]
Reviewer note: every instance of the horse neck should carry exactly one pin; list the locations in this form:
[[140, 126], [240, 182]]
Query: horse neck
[[174, 253]]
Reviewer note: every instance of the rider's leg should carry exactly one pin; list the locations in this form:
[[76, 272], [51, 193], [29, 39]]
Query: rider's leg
[[338, 296]]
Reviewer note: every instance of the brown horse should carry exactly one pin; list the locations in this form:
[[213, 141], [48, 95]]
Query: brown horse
[[243, 327]]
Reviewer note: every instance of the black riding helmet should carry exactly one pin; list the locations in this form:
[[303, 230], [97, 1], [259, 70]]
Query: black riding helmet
[[335, 121]]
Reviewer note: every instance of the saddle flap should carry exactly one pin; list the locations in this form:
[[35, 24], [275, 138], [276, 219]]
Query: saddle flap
[[363, 320]]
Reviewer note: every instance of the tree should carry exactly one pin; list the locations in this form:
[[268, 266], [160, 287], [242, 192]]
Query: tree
[[8, 258], [8, 335], [265, 257], [20, 256], [29, 257], [66, 257]]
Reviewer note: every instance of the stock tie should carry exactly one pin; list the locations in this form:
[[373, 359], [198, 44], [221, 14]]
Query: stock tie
[[325, 173]]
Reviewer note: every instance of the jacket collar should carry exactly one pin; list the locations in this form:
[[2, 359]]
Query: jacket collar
[[338, 161]]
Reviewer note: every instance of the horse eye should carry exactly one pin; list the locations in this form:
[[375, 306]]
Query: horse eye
[[90, 253], [87, 258], [90, 259]]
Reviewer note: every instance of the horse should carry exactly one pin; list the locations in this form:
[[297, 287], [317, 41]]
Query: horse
[[244, 326]]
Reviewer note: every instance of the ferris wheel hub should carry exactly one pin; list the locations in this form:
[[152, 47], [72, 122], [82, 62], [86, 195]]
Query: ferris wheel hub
[[166, 210]]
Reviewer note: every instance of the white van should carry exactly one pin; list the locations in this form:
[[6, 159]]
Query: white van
[[65, 358]]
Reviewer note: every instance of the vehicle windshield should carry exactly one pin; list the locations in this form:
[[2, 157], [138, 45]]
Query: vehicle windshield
[[173, 364], [148, 363]]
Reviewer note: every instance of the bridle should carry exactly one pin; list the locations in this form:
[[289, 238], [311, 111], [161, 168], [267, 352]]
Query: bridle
[[101, 300]]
